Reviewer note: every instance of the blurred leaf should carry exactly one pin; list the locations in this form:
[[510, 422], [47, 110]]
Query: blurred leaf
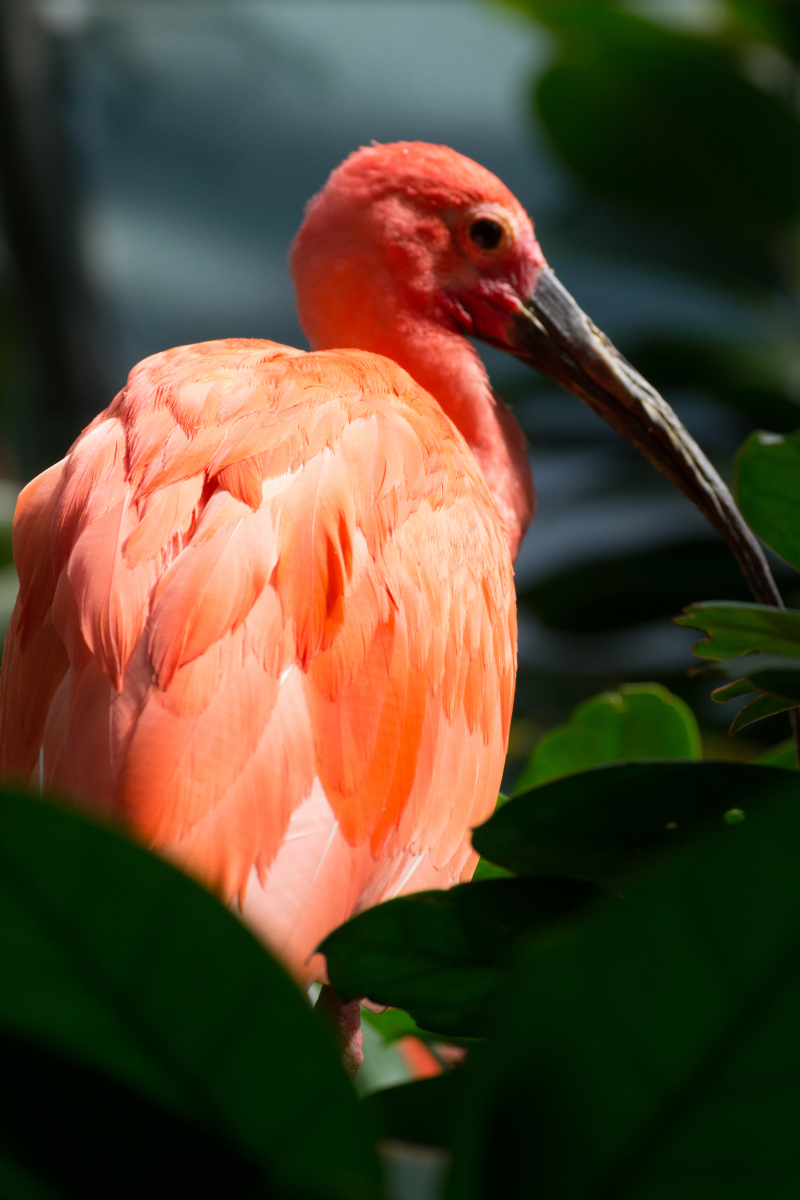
[[420, 1113], [736, 628], [785, 685], [770, 21], [118, 962], [603, 824], [768, 490], [753, 378], [655, 1054], [783, 755], [666, 122], [744, 666], [641, 720], [618, 592], [442, 955], [136, 1147]]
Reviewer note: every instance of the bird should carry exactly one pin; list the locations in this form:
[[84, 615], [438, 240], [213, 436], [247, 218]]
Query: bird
[[266, 619]]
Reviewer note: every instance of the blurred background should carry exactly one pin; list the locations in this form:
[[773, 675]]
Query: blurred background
[[156, 156]]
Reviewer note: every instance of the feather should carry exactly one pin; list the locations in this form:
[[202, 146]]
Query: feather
[[266, 619]]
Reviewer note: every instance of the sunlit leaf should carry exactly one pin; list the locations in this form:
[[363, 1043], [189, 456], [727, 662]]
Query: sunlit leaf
[[115, 961], [641, 720], [768, 490], [655, 1054], [442, 955], [604, 824], [735, 628]]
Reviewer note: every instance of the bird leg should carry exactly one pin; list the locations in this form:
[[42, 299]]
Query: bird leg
[[343, 1018]]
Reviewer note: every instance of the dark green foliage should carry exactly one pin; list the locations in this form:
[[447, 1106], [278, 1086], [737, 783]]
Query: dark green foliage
[[421, 1112], [768, 490], [602, 825], [84, 1134], [115, 965], [618, 592], [749, 377], [655, 1054], [442, 956], [735, 631], [668, 123]]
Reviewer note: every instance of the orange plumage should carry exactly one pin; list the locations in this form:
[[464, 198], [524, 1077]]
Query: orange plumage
[[266, 613]]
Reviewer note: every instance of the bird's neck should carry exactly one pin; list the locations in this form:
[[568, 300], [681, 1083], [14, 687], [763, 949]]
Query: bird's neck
[[449, 367]]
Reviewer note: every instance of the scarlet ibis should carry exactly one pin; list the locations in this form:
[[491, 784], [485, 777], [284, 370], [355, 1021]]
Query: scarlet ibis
[[266, 612]]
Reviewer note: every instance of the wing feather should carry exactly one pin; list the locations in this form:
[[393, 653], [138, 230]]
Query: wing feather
[[266, 617]]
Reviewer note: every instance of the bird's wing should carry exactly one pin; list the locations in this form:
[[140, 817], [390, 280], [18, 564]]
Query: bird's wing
[[256, 570]]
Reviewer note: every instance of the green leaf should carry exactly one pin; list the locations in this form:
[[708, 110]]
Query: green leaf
[[641, 720], [727, 153], [442, 955], [759, 709], [655, 1054], [776, 679], [783, 755], [735, 628], [783, 684], [768, 490], [18, 1184], [733, 691], [487, 870], [603, 825], [48, 1103], [420, 1113], [117, 962]]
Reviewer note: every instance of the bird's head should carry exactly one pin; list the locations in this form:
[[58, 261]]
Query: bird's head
[[414, 230], [409, 249]]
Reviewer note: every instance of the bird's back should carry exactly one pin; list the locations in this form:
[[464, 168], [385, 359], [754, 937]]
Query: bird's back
[[266, 619]]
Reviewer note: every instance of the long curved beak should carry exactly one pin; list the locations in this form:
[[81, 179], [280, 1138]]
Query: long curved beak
[[552, 333]]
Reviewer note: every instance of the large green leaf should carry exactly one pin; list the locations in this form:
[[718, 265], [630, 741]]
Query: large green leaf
[[420, 1113], [641, 720], [116, 962], [656, 1054], [735, 628], [442, 956], [667, 122], [603, 824], [768, 490], [137, 1147]]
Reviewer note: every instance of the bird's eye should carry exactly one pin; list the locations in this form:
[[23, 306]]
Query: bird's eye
[[486, 234]]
